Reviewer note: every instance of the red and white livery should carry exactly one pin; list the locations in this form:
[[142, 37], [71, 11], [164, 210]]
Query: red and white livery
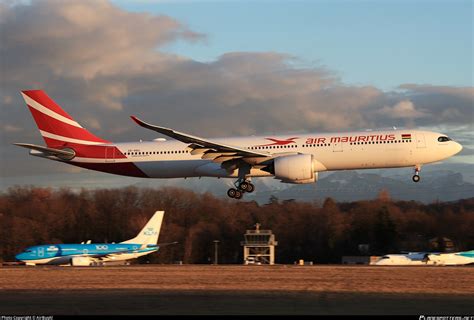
[[287, 158]]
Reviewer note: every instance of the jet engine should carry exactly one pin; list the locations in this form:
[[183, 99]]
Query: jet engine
[[297, 169], [81, 261]]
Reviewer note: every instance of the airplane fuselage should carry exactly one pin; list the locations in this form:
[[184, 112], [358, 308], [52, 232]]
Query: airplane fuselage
[[291, 159], [86, 254], [60, 254], [331, 151]]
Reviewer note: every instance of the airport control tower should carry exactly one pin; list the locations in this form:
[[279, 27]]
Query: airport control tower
[[259, 246]]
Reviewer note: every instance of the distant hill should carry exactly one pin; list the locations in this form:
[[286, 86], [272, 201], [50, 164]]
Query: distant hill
[[439, 182], [435, 185], [353, 186]]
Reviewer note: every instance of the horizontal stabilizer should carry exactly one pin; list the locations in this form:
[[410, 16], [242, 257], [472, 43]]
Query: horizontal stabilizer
[[167, 244], [145, 246], [63, 154]]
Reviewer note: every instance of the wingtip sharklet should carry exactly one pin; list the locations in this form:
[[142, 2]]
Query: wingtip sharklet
[[134, 118], [141, 123], [147, 125]]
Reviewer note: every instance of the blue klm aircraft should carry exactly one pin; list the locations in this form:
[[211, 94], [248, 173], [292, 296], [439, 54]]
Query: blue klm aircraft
[[87, 254]]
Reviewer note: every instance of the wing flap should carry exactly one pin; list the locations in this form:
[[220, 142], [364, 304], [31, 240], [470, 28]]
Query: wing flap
[[214, 155], [199, 151]]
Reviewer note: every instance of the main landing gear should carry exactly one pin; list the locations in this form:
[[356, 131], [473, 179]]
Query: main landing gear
[[416, 176], [241, 186]]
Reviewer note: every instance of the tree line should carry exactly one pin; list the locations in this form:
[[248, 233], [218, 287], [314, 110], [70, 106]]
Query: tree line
[[319, 232]]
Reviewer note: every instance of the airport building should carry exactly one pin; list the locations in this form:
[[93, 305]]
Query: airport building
[[259, 246]]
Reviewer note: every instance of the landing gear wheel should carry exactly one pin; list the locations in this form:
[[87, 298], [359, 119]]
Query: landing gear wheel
[[244, 186], [232, 192], [250, 188], [238, 194], [416, 177]]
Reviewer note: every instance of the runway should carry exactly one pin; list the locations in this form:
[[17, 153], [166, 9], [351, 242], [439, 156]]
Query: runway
[[207, 289]]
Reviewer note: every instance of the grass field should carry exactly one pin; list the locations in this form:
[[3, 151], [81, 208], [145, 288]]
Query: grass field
[[205, 289]]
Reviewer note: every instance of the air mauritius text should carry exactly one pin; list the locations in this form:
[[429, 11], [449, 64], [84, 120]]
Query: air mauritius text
[[364, 138]]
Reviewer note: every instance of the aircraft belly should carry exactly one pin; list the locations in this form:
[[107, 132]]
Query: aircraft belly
[[171, 168], [211, 169], [41, 261], [126, 256], [121, 168], [60, 260]]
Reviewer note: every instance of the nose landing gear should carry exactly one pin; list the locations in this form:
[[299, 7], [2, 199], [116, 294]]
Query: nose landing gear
[[241, 186], [416, 176]]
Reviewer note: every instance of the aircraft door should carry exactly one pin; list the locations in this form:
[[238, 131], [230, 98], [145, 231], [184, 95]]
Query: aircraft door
[[337, 147], [40, 252], [420, 140], [109, 154]]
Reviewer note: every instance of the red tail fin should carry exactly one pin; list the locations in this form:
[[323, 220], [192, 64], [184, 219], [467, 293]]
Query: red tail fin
[[56, 126]]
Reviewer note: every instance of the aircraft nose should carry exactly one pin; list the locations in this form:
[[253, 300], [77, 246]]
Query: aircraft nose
[[457, 147], [20, 256]]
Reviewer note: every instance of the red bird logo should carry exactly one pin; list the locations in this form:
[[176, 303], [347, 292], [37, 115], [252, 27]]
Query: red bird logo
[[277, 142]]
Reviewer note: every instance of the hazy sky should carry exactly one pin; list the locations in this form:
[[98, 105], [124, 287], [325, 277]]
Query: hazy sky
[[221, 68]]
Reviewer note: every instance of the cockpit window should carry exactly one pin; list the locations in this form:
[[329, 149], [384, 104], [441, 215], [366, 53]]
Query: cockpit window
[[443, 139]]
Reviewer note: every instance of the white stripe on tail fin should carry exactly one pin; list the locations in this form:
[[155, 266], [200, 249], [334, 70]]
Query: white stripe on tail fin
[[150, 233], [56, 126]]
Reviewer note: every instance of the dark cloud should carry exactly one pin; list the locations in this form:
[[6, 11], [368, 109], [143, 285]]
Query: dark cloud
[[445, 105], [103, 64]]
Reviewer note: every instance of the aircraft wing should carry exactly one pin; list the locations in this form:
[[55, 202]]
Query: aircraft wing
[[214, 151], [116, 253]]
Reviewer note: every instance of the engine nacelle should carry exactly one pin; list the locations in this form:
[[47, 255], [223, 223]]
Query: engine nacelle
[[297, 168], [81, 261]]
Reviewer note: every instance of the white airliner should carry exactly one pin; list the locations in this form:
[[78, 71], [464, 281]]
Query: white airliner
[[427, 258], [452, 259], [411, 258], [291, 159]]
